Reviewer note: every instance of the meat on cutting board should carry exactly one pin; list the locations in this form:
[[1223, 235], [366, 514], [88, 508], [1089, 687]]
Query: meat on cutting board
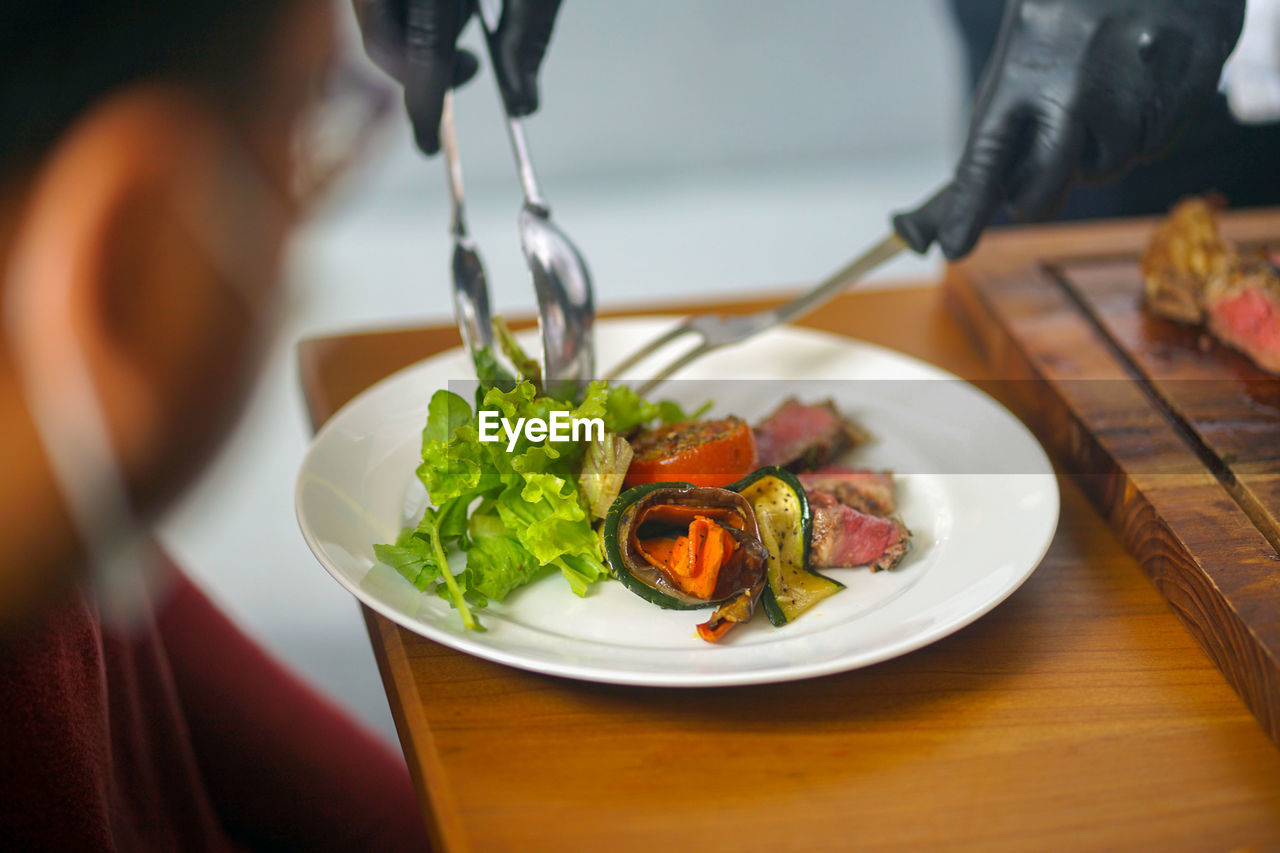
[[1184, 254], [1193, 275], [1244, 311]]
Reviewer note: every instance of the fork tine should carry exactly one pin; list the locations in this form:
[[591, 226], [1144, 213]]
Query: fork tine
[[649, 349], [662, 376]]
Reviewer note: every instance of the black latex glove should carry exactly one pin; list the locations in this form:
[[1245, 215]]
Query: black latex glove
[[1076, 90], [415, 41]]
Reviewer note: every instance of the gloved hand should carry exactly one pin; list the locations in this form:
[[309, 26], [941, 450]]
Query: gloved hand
[[1076, 90], [415, 41]]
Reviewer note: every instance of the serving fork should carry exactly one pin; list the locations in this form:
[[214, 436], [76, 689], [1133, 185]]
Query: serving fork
[[715, 331]]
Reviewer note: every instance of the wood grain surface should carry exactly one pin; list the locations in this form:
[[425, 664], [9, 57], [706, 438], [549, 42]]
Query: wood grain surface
[[1079, 714], [1176, 438]]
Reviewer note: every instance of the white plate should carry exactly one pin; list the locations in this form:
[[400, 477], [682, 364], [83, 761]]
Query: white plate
[[974, 485]]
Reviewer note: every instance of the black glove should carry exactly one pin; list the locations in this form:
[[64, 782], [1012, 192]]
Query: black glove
[[415, 41], [1076, 90]]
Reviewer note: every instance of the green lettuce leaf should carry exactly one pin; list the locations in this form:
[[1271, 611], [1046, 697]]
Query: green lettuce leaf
[[413, 560], [516, 514], [498, 564]]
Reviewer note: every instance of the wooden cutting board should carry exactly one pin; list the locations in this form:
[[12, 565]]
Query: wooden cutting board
[[1174, 437]]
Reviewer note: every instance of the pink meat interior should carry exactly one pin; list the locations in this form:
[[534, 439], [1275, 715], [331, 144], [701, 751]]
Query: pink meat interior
[[1251, 318]]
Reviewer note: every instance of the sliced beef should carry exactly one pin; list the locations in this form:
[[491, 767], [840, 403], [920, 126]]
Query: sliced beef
[[803, 437], [1244, 312], [1185, 254], [870, 492], [844, 537], [1193, 275]]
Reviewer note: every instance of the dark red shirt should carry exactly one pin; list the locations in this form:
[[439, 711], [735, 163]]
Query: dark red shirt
[[183, 736]]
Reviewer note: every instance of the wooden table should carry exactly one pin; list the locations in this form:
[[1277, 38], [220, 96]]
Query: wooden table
[[1078, 714]]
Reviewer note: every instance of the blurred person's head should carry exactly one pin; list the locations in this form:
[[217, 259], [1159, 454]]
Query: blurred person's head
[[146, 154]]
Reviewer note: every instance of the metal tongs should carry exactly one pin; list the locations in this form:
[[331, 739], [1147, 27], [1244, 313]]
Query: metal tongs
[[720, 330], [470, 285], [566, 306]]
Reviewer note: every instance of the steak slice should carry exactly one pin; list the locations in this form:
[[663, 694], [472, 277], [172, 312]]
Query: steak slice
[[870, 492], [844, 537], [802, 437], [1193, 275], [1184, 255], [1244, 312]]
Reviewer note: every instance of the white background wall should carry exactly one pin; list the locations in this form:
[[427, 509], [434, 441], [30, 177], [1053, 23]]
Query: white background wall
[[690, 147]]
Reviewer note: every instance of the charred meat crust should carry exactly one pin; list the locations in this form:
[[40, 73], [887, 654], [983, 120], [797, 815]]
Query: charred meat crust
[[804, 437], [1184, 255], [869, 492]]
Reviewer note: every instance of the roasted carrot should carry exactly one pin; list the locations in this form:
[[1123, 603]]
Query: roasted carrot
[[692, 562], [714, 629]]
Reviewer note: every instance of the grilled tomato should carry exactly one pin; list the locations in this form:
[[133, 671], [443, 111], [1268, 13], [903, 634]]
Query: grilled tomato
[[701, 453]]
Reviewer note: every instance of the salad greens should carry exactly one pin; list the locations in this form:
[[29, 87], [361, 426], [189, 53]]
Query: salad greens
[[516, 515]]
